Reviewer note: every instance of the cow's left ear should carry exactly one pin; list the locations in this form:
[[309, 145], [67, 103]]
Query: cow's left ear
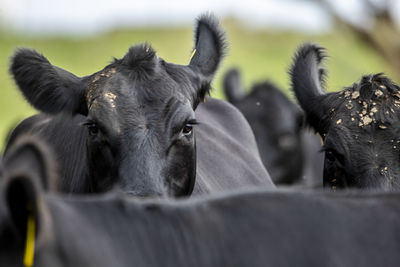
[[210, 48], [27, 166]]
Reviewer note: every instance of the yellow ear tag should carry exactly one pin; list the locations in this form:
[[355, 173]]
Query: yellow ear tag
[[30, 242], [193, 53]]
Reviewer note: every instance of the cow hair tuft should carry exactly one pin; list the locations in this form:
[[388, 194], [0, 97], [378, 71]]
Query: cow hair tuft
[[140, 60]]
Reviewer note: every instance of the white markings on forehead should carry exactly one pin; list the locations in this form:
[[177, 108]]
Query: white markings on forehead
[[365, 121], [110, 97], [379, 92], [349, 105]]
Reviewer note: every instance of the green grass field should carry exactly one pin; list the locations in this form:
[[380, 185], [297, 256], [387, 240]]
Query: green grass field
[[261, 54]]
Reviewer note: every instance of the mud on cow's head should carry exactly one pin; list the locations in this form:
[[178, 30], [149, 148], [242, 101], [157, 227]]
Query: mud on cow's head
[[139, 111], [359, 125]]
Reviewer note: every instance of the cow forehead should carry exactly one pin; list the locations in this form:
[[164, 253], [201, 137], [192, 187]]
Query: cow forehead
[[378, 111], [111, 84], [354, 140]]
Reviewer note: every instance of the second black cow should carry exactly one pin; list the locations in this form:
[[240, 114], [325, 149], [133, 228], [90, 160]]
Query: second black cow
[[290, 152]]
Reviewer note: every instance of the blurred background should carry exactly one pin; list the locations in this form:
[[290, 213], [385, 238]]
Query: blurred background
[[361, 37]]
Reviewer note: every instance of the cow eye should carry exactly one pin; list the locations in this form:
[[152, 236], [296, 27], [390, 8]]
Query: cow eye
[[92, 128], [330, 155], [187, 129]]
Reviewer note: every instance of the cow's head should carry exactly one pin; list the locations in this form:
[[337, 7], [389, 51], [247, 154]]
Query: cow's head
[[139, 109], [276, 122], [359, 125], [25, 221]]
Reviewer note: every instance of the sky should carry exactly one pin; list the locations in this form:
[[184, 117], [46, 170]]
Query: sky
[[94, 16]]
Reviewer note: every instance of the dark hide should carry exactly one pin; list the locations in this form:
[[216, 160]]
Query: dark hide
[[359, 125], [132, 123], [227, 155], [258, 228], [289, 151]]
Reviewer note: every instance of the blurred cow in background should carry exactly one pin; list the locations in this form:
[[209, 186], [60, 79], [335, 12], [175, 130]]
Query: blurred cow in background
[[288, 150]]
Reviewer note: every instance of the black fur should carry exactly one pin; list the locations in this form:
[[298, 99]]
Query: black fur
[[135, 131], [307, 78], [359, 125], [29, 169], [232, 86], [208, 33], [289, 151], [251, 228], [48, 88], [141, 61]]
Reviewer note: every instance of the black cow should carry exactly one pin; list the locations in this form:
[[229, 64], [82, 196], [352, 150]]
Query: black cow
[[290, 152], [132, 122], [259, 228], [359, 125]]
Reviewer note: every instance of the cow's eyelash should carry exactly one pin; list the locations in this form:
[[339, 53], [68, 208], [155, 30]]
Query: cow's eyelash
[[192, 122]]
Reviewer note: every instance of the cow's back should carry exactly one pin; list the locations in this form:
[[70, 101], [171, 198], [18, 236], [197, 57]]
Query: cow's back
[[227, 153]]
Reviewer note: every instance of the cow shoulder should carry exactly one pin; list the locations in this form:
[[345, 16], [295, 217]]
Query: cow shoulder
[[227, 152]]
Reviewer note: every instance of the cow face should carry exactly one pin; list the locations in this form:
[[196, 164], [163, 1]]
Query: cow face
[[139, 110], [276, 123], [359, 125]]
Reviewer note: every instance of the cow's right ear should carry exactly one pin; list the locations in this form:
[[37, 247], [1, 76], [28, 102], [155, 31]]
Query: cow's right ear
[[27, 171], [48, 88], [232, 86]]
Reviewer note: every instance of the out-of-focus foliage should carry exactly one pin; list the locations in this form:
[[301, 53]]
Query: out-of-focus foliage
[[261, 54], [380, 29]]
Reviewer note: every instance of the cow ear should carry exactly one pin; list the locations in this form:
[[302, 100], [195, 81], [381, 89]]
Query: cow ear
[[27, 170], [46, 87], [232, 86], [30, 154], [307, 77], [210, 46]]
